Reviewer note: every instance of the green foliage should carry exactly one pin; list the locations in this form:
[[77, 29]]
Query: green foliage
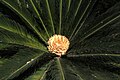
[[18, 63], [94, 52]]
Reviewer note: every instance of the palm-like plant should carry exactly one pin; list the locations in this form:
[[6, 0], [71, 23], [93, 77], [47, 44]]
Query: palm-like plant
[[94, 48]]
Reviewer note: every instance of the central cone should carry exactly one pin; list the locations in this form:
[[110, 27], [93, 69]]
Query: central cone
[[58, 44]]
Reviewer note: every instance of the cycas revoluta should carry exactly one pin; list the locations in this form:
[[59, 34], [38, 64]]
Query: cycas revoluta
[[83, 46]]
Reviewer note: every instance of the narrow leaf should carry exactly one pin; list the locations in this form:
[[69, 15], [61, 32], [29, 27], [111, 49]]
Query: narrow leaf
[[107, 19], [13, 67], [12, 38], [40, 74], [24, 14]]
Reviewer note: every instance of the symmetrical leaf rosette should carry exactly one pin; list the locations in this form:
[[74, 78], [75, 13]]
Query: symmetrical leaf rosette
[[94, 51]]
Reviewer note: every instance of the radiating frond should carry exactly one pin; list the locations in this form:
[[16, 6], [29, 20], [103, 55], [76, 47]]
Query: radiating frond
[[12, 38], [94, 51], [40, 74], [106, 39], [49, 28], [109, 18], [78, 23], [12, 26], [12, 32], [20, 9], [14, 66], [91, 71], [3, 46], [79, 11], [63, 69], [43, 13]]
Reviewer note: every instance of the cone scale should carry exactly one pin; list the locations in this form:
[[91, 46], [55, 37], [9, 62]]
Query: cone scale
[[58, 45]]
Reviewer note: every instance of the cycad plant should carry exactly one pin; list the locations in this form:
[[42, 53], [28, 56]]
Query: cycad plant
[[58, 40]]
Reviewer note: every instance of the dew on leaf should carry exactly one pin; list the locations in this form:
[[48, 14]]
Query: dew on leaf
[[106, 54], [28, 62], [32, 59]]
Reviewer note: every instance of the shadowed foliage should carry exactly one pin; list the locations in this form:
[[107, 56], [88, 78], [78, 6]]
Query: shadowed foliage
[[92, 27]]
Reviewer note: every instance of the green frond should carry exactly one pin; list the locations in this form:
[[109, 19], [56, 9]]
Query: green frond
[[79, 11], [68, 3], [105, 40], [106, 60], [91, 71], [71, 14], [12, 26], [44, 15], [63, 69], [23, 13], [3, 46], [60, 15], [107, 19], [48, 31], [40, 74], [94, 51], [53, 6], [49, 13], [21, 61], [12, 38], [65, 10], [56, 70], [84, 15], [14, 32]]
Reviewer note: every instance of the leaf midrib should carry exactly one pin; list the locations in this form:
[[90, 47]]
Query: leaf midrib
[[100, 27], [48, 67], [50, 15], [22, 35], [85, 55], [61, 69], [15, 32], [39, 17], [75, 31], [23, 67], [25, 20], [76, 72], [60, 17], [74, 18]]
